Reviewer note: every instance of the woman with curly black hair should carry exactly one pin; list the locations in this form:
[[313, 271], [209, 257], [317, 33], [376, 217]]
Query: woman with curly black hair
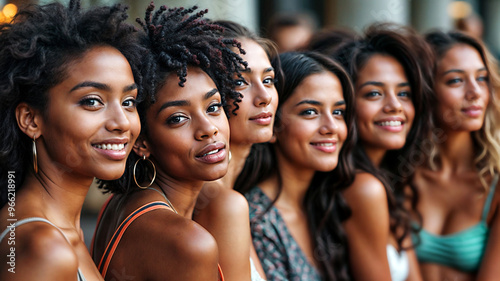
[[292, 183], [68, 115], [146, 231], [391, 97]]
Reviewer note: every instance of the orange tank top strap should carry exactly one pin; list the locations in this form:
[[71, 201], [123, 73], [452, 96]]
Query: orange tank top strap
[[99, 216], [115, 239], [221, 276]]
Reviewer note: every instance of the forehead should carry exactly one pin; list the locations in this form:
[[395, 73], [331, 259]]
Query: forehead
[[461, 56], [382, 68], [324, 87], [197, 85], [255, 55]]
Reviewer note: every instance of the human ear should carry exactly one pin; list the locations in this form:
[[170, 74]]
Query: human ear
[[29, 120], [141, 147]]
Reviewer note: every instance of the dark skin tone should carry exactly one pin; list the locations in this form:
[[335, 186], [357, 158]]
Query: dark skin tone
[[100, 90], [182, 123]]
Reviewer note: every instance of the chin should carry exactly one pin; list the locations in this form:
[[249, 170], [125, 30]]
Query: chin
[[111, 174]]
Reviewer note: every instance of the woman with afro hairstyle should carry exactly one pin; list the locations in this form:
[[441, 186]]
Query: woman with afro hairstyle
[[146, 231], [68, 115], [220, 209], [391, 96]]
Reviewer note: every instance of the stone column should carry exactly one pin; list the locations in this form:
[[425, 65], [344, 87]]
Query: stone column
[[431, 14], [358, 14]]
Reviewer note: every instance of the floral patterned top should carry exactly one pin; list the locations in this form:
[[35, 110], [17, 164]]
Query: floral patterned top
[[280, 255]]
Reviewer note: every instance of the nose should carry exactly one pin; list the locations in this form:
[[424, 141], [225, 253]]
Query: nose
[[117, 118], [392, 104], [262, 96], [329, 125], [473, 90], [205, 129]]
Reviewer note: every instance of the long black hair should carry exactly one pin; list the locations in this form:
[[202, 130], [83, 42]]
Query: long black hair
[[397, 167], [323, 202], [175, 39], [36, 49]]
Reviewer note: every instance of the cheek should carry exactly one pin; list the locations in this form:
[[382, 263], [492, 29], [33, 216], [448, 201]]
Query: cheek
[[409, 112], [342, 131]]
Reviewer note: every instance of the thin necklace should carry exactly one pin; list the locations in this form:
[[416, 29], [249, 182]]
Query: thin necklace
[[164, 196]]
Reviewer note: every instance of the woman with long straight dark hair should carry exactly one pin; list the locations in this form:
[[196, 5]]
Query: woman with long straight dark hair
[[292, 182]]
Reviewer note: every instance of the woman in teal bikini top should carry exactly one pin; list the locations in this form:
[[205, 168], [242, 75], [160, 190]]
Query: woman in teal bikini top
[[457, 183]]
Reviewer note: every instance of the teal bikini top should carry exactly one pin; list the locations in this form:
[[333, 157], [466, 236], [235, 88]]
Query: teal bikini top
[[462, 250]]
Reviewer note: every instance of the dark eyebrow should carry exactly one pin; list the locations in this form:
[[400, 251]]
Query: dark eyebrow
[[185, 102], [96, 85], [340, 102], [312, 102], [245, 70], [374, 83], [173, 103], [461, 71], [269, 69], [404, 84], [130, 88], [210, 93]]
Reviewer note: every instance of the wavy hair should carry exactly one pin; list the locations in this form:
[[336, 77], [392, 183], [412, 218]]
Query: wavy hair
[[397, 167], [323, 202], [36, 49], [486, 140]]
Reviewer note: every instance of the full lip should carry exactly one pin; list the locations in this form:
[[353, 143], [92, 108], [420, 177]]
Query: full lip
[[263, 118], [118, 151], [472, 108], [391, 124], [325, 145], [212, 147]]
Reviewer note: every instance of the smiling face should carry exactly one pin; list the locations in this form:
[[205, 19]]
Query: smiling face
[[188, 130], [253, 122], [91, 121], [384, 109], [461, 88], [312, 127]]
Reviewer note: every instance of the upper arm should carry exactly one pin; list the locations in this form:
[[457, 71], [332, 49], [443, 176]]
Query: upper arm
[[187, 252], [226, 218], [40, 252], [367, 229]]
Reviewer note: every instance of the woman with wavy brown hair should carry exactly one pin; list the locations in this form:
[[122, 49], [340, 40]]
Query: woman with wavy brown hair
[[458, 181], [391, 116]]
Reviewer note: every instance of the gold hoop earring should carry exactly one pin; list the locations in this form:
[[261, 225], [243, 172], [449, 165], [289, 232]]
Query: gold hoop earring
[[35, 156], [229, 157], [154, 172]]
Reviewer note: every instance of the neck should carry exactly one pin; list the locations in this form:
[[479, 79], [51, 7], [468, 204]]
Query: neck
[[182, 194], [375, 154], [457, 152], [239, 154], [60, 198], [295, 182]]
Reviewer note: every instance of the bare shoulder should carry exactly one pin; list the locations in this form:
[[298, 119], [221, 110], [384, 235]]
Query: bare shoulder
[[41, 250], [221, 202], [366, 189], [188, 249]]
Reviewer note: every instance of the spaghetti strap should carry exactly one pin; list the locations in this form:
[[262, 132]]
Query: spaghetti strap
[[28, 220], [491, 194], [115, 239], [79, 275]]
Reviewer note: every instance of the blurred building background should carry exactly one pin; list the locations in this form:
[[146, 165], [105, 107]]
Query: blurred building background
[[354, 14]]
